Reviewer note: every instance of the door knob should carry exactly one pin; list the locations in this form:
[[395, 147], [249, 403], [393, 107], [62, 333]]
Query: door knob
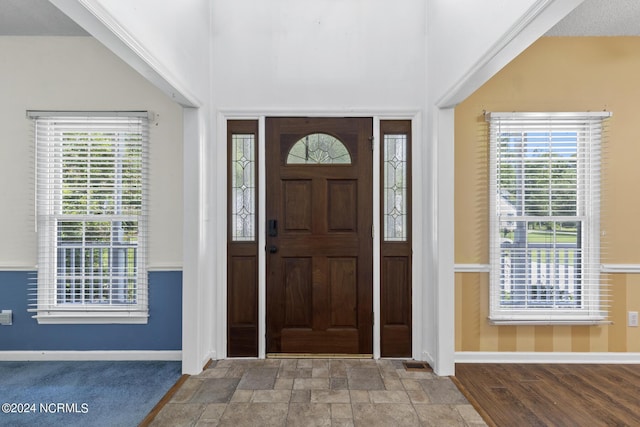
[[273, 249]]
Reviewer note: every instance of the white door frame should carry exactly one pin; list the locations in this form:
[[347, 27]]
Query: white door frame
[[416, 150]]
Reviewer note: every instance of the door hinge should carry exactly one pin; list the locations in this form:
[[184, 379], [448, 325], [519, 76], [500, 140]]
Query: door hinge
[[373, 318], [373, 231], [372, 140]]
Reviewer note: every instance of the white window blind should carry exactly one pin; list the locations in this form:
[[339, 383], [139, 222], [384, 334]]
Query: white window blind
[[545, 173], [91, 217]]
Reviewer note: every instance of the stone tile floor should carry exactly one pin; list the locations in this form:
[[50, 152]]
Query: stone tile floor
[[316, 392]]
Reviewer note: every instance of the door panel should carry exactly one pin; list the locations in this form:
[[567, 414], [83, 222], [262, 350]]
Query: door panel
[[343, 292], [319, 263], [242, 272], [298, 292], [297, 197], [397, 298], [342, 203]]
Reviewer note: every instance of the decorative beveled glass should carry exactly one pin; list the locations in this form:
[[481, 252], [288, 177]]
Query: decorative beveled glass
[[395, 187], [319, 148], [243, 187]]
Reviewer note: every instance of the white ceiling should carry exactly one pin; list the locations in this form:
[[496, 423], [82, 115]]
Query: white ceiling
[[591, 18], [601, 18]]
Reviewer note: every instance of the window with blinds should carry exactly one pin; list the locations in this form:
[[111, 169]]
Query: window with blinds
[[545, 218], [91, 217]]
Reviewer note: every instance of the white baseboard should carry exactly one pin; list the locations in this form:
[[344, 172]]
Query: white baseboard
[[210, 356], [51, 355], [426, 357], [546, 357]]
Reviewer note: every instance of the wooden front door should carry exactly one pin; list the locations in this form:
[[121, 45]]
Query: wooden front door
[[319, 241]]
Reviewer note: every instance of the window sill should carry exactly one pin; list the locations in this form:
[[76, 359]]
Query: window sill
[[91, 317]]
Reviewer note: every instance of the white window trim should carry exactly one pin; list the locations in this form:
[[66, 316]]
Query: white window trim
[[596, 310], [44, 303]]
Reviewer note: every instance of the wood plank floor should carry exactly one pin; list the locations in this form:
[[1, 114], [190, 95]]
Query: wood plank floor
[[552, 395]]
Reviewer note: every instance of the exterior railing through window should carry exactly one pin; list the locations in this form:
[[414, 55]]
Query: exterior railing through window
[[97, 274], [541, 275]]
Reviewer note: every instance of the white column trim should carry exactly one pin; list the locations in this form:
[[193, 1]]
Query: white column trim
[[443, 233], [192, 280], [262, 239], [418, 224], [377, 233], [215, 254]]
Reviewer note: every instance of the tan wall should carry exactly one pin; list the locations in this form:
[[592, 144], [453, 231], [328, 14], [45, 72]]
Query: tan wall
[[554, 74]]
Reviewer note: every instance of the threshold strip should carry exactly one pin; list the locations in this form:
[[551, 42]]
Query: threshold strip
[[318, 356]]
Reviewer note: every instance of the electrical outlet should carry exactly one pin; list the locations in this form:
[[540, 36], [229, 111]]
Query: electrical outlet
[[6, 317], [633, 318]]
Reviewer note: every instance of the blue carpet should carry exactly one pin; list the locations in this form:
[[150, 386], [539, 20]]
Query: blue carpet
[[82, 393]]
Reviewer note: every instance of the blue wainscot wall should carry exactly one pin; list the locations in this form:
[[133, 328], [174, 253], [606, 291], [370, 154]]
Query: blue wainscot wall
[[162, 332]]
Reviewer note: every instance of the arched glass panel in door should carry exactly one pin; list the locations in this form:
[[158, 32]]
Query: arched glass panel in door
[[319, 148]]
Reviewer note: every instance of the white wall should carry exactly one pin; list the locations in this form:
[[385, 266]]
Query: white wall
[[308, 54], [302, 57], [167, 41], [78, 73], [461, 27], [176, 35], [471, 40]]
